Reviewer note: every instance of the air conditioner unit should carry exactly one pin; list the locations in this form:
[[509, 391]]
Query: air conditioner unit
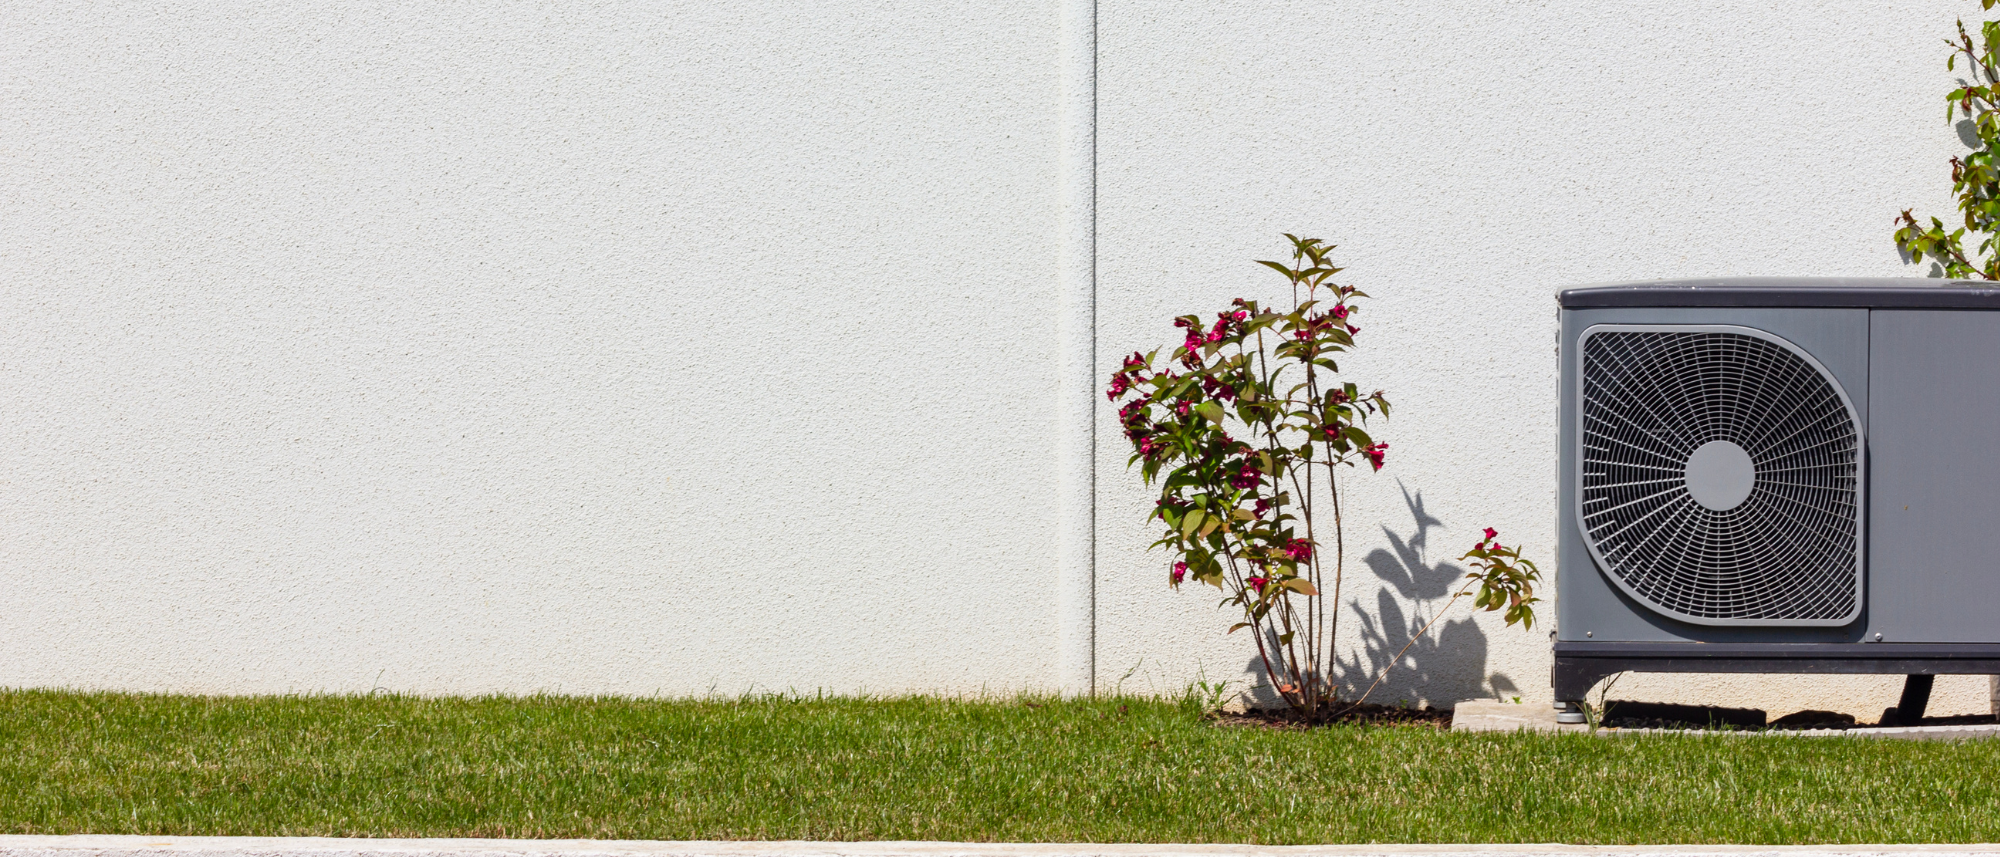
[[1770, 475]]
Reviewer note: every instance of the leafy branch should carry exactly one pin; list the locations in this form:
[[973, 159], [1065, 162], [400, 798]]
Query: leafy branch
[[1975, 178]]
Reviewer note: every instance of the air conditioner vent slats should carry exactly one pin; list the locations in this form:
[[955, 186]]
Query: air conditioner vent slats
[[1720, 475]]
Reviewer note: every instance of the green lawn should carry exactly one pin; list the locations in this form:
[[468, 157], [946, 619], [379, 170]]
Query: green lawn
[[1107, 770]]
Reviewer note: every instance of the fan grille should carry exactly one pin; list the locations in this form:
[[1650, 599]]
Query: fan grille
[[1786, 553]]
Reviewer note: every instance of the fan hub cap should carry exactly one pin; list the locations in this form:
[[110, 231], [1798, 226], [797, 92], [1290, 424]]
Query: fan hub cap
[[1720, 475]]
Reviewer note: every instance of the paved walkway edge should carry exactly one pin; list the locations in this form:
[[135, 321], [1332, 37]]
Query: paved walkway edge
[[230, 846]]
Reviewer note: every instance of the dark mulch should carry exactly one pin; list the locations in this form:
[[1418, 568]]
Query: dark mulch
[[1343, 714], [1623, 714]]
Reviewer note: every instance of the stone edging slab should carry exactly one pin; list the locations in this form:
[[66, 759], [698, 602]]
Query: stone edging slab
[[229, 846]]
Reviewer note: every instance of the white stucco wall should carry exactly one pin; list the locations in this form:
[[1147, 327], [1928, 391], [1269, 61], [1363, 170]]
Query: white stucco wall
[[677, 348], [618, 347], [1471, 158]]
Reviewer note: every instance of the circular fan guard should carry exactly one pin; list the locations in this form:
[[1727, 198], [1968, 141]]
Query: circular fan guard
[[1785, 555]]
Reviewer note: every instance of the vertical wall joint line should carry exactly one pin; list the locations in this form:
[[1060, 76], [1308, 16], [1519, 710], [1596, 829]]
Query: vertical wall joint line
[[1077, 386]]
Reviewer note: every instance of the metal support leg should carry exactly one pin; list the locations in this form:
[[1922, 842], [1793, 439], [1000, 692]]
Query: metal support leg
[[1916, 697]]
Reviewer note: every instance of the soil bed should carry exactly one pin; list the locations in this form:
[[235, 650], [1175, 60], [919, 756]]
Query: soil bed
[[1343, 714]]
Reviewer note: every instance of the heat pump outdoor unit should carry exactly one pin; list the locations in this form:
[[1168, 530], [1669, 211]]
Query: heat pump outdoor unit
[[1779, 476]]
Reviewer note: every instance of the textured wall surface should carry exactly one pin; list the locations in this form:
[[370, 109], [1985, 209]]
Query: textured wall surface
[[619, 347], [1472, 158], [669, 348]]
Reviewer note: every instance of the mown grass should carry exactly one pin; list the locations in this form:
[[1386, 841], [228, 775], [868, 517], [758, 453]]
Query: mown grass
[[1019, 770]]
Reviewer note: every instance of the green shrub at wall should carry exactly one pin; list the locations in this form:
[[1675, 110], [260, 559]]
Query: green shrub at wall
[[1975, 178]]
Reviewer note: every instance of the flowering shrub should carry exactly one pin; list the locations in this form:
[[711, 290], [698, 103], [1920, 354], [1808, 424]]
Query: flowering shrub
[[1975, 178], [1243, 427]]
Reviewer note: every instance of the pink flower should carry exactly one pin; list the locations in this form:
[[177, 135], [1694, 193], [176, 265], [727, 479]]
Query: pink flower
[[1299, 550], [1262, 506], [1190, 351], [1179, 572], [1491, 534], [1246, 478], [1119, 384], [1375, 453], [1257, 583]]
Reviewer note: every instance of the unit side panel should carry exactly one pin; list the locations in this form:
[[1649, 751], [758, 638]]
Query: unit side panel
[[1589, 607], [1934, 474]]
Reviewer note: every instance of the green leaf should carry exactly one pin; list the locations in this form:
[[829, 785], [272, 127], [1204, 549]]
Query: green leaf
[[1282, 269], [1192, 520], [1211, 411]]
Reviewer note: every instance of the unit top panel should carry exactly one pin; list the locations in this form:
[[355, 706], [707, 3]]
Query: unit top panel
[[1850, 292]]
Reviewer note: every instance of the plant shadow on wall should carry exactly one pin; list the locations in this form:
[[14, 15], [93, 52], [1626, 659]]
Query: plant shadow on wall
[[1245, 428], [1447, 664], [1444, 666]]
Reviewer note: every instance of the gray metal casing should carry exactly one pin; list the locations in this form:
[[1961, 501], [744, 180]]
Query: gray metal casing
[[1920, 362]]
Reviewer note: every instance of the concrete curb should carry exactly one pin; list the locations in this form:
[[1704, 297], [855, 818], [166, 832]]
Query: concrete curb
[[230, 846]]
